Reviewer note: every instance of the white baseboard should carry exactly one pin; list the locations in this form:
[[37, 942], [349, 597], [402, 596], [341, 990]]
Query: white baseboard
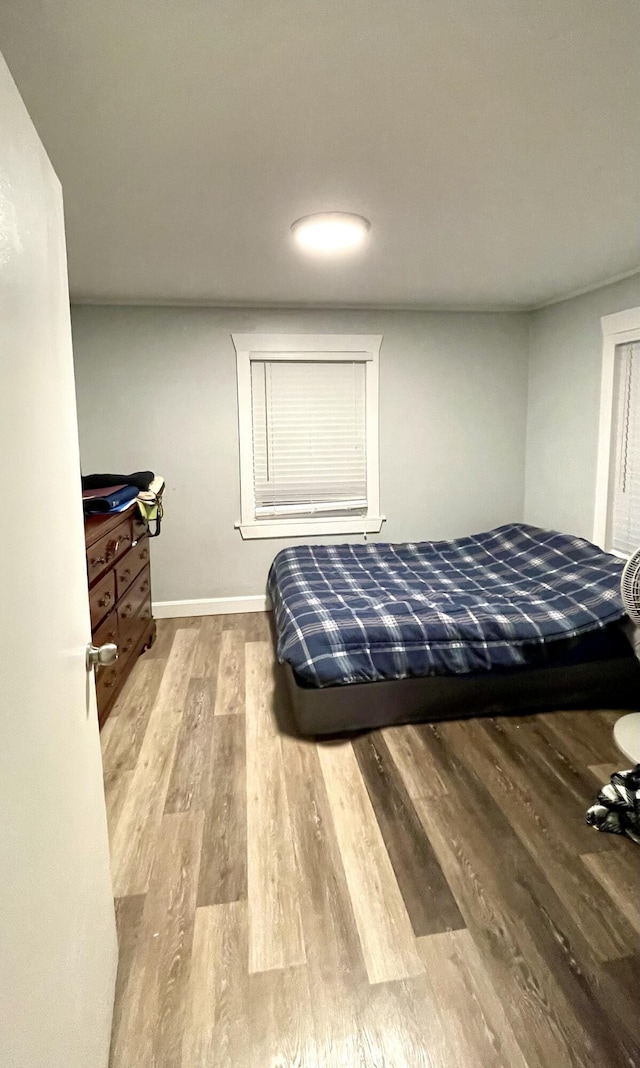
[[214, 606]]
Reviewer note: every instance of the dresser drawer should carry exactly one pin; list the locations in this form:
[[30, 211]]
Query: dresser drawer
[[107, 631], [143, 614], [106, 682], [138, 525], [117, 548], [106, 677], [128, 606], [109, 680], [104, 552], [102, 598], [134, 627], [130, 565]]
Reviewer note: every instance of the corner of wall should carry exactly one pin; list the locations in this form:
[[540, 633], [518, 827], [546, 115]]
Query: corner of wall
[[530, 323]]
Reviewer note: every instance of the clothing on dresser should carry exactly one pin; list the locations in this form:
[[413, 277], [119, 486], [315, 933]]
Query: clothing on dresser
[[141, 479]]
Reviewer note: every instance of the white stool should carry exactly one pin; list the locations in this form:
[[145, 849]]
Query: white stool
[[626, 735]]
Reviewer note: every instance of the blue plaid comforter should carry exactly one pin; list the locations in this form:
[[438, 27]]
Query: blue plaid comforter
[[357, 613]]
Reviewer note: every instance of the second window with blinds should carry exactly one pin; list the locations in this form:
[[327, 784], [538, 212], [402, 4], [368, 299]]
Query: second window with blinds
[[308, 420], [617, 514]]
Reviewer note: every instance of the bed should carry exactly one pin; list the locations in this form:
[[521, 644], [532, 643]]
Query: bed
[[517, 618]]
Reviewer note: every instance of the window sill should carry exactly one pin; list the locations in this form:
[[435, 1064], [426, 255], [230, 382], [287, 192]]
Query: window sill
[[302, 528]]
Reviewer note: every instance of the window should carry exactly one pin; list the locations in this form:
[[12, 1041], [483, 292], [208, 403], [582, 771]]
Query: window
[[308, 418], [617, 518]]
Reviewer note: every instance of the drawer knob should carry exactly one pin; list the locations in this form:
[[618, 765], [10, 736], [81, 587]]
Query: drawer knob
[[104, 601], [100, 655]]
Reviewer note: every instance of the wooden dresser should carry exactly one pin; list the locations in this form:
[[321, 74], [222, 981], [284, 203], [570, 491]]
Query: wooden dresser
[[119, 596]]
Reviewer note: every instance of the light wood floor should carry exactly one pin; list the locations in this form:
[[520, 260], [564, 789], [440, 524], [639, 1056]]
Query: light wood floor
[[419, 897]]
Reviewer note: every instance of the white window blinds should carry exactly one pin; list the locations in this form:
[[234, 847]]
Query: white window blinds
[[624, 513], [309, 437]]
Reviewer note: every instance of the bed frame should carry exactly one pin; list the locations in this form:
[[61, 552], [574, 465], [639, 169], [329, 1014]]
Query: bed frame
[[613, 683]]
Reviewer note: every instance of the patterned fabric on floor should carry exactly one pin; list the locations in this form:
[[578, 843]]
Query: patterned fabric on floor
[[617, 809]]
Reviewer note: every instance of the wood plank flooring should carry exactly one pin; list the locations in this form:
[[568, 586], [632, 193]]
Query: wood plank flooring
[[415, 897]]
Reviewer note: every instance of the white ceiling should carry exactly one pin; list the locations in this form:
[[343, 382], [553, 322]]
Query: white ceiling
[[493, 144]]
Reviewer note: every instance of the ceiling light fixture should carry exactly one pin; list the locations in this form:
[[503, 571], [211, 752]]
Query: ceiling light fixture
[[330, 231]]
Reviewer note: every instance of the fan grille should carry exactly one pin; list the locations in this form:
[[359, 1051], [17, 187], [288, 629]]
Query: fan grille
[[630, 587]]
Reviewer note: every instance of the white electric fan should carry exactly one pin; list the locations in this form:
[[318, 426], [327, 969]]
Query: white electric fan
[[626, 732]]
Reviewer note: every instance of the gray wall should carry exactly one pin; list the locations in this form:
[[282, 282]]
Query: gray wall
[[156, 388], [565, 354]]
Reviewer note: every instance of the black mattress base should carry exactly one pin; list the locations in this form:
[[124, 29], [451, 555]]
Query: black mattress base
[[611, 683]]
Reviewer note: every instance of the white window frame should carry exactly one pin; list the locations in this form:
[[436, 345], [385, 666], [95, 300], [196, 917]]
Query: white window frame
[[617, 329], [345, 347]]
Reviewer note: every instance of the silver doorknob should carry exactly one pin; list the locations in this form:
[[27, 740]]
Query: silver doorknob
[[99, 656]]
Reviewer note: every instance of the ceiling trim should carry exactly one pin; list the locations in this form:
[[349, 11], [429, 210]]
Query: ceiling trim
[[585, 289], [248, 305], [471, 309]]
